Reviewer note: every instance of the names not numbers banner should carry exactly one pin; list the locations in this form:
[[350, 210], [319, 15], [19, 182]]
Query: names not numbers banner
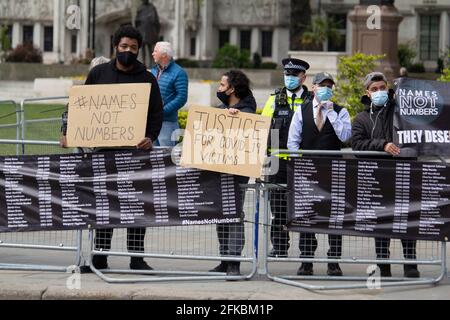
[[372, 198], [422, 117], [111, 190]]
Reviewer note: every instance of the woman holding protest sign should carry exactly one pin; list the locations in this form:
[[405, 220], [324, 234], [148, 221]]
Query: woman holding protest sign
[[235, 94]]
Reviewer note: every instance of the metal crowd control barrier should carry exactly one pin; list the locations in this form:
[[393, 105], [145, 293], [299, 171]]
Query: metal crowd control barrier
[[193, 244], [49, 241], [15, 125], [33, 127], [30, 243], [355, 250]]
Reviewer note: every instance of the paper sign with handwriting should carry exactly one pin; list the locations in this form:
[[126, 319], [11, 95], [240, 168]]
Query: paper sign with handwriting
[[108, 115], [217, 141]]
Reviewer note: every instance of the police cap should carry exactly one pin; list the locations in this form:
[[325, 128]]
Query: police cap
[[292, 65]]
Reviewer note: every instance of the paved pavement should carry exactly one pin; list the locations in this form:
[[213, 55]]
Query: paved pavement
[[50, 286], [16, 90], [53, 285]]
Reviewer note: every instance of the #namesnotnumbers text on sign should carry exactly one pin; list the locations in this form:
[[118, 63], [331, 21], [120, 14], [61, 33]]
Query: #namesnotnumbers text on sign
[[108, 115]]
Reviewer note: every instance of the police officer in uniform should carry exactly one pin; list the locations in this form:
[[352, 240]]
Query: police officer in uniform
[[281, 107]]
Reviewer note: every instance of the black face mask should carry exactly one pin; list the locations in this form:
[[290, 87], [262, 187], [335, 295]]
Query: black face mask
[[127, 58], [222, 96]]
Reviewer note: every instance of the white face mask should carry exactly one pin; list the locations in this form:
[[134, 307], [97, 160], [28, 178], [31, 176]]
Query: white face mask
[[379, 98], [324, 94], [291, 82]]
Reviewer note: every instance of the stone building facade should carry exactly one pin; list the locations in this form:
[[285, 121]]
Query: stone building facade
[[197, 28], [425, 25]]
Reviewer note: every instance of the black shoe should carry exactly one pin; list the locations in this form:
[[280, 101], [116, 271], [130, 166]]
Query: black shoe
[[139, 264], [85, 269], [234, 269], [278, 253], [306, 269], [385, 270], [100, 262], [334, 270], [411, 271], [222, 267]]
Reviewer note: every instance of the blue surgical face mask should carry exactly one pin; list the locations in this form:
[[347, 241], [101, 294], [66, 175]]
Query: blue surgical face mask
[[291, 82], [324, 94], [379, 98]]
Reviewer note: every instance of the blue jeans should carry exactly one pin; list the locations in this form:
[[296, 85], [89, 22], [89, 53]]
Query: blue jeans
[[164, 139]]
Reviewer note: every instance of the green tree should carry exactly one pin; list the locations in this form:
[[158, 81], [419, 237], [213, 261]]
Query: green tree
[[406, 55], [446, 72], [300, 20], [351, 73], [230, 56], [5, 42], [320, 30], [445, 76]]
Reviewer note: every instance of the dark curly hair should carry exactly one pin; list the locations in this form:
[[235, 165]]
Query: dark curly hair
[[240, 82], [127, 31]]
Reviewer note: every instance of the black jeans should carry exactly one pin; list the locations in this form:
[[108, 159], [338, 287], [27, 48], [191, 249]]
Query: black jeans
[[382, 248], [308, 245], [232, 236], [278, 206], [135, 239]]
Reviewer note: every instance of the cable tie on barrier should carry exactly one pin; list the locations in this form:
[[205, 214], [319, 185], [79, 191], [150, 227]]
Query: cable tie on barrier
[[8, 115], [257, 223], [51, 110]]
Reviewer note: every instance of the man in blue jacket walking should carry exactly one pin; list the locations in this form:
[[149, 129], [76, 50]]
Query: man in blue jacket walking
[[173, 83]]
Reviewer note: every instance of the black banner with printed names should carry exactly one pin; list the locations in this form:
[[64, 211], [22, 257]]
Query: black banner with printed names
[[111, 190], [370, 197]]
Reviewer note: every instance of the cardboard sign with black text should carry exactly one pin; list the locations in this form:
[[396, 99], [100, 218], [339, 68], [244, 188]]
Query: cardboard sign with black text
[[217, 141], [108, 115]]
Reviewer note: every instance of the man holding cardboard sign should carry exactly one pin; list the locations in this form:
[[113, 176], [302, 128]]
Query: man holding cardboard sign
[[236, 97], [112, 118], [230, 140]]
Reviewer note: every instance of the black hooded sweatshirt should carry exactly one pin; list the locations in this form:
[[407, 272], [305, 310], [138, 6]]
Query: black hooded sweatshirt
[[246, 105], [108, 73], [372, 129]]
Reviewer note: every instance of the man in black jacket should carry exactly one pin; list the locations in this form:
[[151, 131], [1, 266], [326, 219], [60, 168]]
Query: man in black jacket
[[235, 94], [373, 131], [126, 69]]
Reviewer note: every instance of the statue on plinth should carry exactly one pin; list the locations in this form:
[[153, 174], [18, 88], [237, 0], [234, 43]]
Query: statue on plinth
[[147, 22]]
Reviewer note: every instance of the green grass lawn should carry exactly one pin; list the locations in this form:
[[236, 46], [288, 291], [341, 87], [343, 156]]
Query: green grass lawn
[[44, 131]]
